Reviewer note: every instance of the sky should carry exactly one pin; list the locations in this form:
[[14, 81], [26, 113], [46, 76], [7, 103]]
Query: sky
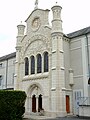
[[75, 15]]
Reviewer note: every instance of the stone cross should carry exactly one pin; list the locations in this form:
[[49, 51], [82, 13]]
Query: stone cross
[[36, 4]]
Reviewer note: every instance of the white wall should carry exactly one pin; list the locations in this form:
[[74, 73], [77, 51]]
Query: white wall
[[7, 71]]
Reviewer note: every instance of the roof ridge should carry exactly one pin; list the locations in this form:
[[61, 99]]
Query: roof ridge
[[5, 57], [80, 32]]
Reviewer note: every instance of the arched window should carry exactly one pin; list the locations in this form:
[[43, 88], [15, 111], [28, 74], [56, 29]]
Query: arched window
[[32, 65], [39, 63], [46, 62], [26, 66]]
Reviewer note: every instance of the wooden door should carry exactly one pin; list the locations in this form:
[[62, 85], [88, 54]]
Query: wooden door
[[33, 103], [67, 104]]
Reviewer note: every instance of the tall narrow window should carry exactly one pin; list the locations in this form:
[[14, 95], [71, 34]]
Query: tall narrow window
[[39, 63], [0, 65], [46, 62], [26, 66], [32, 65], [13, 78], [0, 80]]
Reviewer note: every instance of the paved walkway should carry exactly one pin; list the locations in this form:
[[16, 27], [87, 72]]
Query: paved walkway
[[62, 118]]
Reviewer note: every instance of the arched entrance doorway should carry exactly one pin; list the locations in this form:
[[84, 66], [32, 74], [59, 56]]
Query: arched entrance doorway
[[35, 98], [36, 103]]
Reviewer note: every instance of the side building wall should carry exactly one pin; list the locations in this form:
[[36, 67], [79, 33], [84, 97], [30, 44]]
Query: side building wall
[[68, 88], [7, 71], [79, 63]]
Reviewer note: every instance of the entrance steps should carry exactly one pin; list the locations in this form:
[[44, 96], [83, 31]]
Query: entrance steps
[[70, 115], [37, 116]]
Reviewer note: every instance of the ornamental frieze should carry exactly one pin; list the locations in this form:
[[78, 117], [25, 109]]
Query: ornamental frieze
[[35, 44]]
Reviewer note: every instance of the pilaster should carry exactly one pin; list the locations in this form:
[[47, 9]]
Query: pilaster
[[84, 64], [16, 76], [57, 76]]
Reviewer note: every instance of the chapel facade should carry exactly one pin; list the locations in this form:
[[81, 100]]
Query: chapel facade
[[40, 62], [51, 67]]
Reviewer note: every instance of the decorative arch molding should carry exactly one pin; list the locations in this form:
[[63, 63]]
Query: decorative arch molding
[[34, 38], [34, 89], [27, 42], [35, 47]]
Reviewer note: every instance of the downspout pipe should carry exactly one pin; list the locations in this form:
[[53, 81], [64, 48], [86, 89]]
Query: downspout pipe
[[88, 59], [6, 72]]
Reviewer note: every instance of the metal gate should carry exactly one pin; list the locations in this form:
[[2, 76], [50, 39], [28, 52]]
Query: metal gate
[[76, 95]]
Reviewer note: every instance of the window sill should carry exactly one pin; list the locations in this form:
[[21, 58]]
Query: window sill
[[36, 76]]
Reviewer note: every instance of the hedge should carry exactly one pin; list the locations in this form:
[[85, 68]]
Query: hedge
[[12, 105]]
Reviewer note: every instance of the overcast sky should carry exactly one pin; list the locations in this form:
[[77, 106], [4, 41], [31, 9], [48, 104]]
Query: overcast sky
[[75, 16]]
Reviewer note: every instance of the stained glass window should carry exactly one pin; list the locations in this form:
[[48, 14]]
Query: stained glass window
[[32, 65], [39, 63], [26, 66], [46, 62]]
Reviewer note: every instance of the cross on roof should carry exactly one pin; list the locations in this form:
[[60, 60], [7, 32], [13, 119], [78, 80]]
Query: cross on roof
[[36, 4]]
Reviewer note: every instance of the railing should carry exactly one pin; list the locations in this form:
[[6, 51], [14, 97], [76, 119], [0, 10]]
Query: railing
[[84, 106], [84, 101]]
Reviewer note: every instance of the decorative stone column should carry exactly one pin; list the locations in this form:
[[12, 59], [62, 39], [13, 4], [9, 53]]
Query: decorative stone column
[[35, 64], [29, 66], [37, 102], [42, 63]]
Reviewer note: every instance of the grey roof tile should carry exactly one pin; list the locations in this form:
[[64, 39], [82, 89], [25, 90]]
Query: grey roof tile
[[8, 56], [79, 32]]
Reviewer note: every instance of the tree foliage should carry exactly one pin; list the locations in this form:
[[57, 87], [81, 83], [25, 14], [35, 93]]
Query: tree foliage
[[12, 105]]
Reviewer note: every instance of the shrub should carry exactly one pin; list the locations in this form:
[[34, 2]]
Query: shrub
[[12, 105]]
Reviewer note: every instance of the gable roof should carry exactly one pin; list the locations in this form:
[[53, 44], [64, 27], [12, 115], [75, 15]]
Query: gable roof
[[12, 55], [79, 32]]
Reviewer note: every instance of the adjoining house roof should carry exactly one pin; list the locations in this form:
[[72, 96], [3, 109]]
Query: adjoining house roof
[[79, 32], [8, 56]]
